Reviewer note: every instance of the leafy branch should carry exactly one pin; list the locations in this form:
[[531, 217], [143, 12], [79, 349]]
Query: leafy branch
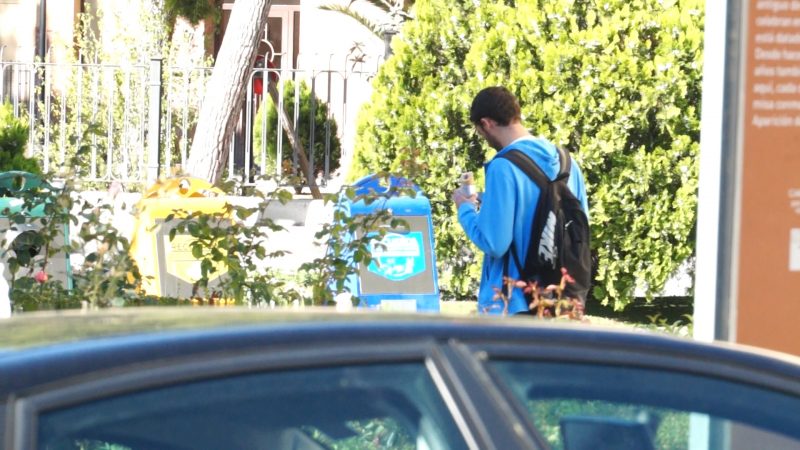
[[545, 302]]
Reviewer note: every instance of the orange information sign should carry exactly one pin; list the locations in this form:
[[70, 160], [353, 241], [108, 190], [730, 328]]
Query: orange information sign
[[768, 291]]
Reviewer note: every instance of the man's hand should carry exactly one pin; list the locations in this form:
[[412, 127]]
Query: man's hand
[[459, 197]]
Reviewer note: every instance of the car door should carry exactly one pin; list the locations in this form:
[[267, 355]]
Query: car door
[[406, 394], [647, 395]]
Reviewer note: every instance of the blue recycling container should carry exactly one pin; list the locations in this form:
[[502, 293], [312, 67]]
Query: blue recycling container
[[402, 275]]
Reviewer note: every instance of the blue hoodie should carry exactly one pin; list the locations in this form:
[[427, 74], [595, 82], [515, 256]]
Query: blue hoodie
[[506, 215]]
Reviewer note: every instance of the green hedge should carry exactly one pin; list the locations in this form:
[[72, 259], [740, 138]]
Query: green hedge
[[615, 81]]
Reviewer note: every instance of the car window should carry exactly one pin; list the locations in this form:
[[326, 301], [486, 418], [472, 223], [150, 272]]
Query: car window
[[357, 407], [578, 406]]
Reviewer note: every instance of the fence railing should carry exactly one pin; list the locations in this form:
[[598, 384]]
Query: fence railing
[[131, 123]]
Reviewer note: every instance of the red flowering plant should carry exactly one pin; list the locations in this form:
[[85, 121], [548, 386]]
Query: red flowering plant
[[547, 302]]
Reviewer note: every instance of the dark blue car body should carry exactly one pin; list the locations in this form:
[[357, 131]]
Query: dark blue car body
[[321, 380]]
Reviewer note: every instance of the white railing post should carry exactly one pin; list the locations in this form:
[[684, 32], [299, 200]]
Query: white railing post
[[154, 120]]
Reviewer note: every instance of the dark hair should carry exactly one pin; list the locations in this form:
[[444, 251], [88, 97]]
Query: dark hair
[[496, 103]]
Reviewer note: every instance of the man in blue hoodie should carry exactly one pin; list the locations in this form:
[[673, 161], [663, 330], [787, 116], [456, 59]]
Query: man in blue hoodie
[[505, 213]]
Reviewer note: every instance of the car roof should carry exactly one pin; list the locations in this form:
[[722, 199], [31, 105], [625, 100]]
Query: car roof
[[36, 329], [44, 348]]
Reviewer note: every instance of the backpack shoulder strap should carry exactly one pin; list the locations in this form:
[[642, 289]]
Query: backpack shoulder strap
[[528, 166], [566, 163], [534, 172]]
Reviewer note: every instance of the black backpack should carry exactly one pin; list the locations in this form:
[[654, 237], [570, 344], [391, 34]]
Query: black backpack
[[560, 231]]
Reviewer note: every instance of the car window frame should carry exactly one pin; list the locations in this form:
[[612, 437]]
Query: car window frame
[[494, 413], [23, 410], [687, 357]]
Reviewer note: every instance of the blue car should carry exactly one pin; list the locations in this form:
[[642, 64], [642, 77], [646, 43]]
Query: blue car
[[201, 378]]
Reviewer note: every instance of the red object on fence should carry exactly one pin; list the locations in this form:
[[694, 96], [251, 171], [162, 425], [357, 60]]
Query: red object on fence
[[258, 79]]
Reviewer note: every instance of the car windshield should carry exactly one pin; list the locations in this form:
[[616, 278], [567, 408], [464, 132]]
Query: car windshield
[[358, 407]]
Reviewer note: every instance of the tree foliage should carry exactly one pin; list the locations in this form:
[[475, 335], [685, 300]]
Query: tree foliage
[[13, 141], [326, 139], [192, 10], [617, 82]]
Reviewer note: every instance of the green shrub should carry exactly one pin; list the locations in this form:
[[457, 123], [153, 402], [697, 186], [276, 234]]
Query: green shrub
[[13, 141], [617, 82], [107, 275], [321, 120]]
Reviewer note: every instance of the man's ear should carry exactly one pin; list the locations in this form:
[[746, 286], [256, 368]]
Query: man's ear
[[487, 123]]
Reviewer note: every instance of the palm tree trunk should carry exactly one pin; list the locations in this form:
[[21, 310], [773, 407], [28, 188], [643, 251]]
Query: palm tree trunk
[[226, 88]]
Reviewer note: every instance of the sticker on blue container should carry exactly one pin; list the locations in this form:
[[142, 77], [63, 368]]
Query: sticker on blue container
[[398, 256]]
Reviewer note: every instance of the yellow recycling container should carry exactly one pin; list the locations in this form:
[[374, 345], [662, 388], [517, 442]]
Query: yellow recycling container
[[168, 267]]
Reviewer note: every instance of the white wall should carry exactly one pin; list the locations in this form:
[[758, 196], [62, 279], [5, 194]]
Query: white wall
[[326, 33], [326, 37], [17, 29]]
